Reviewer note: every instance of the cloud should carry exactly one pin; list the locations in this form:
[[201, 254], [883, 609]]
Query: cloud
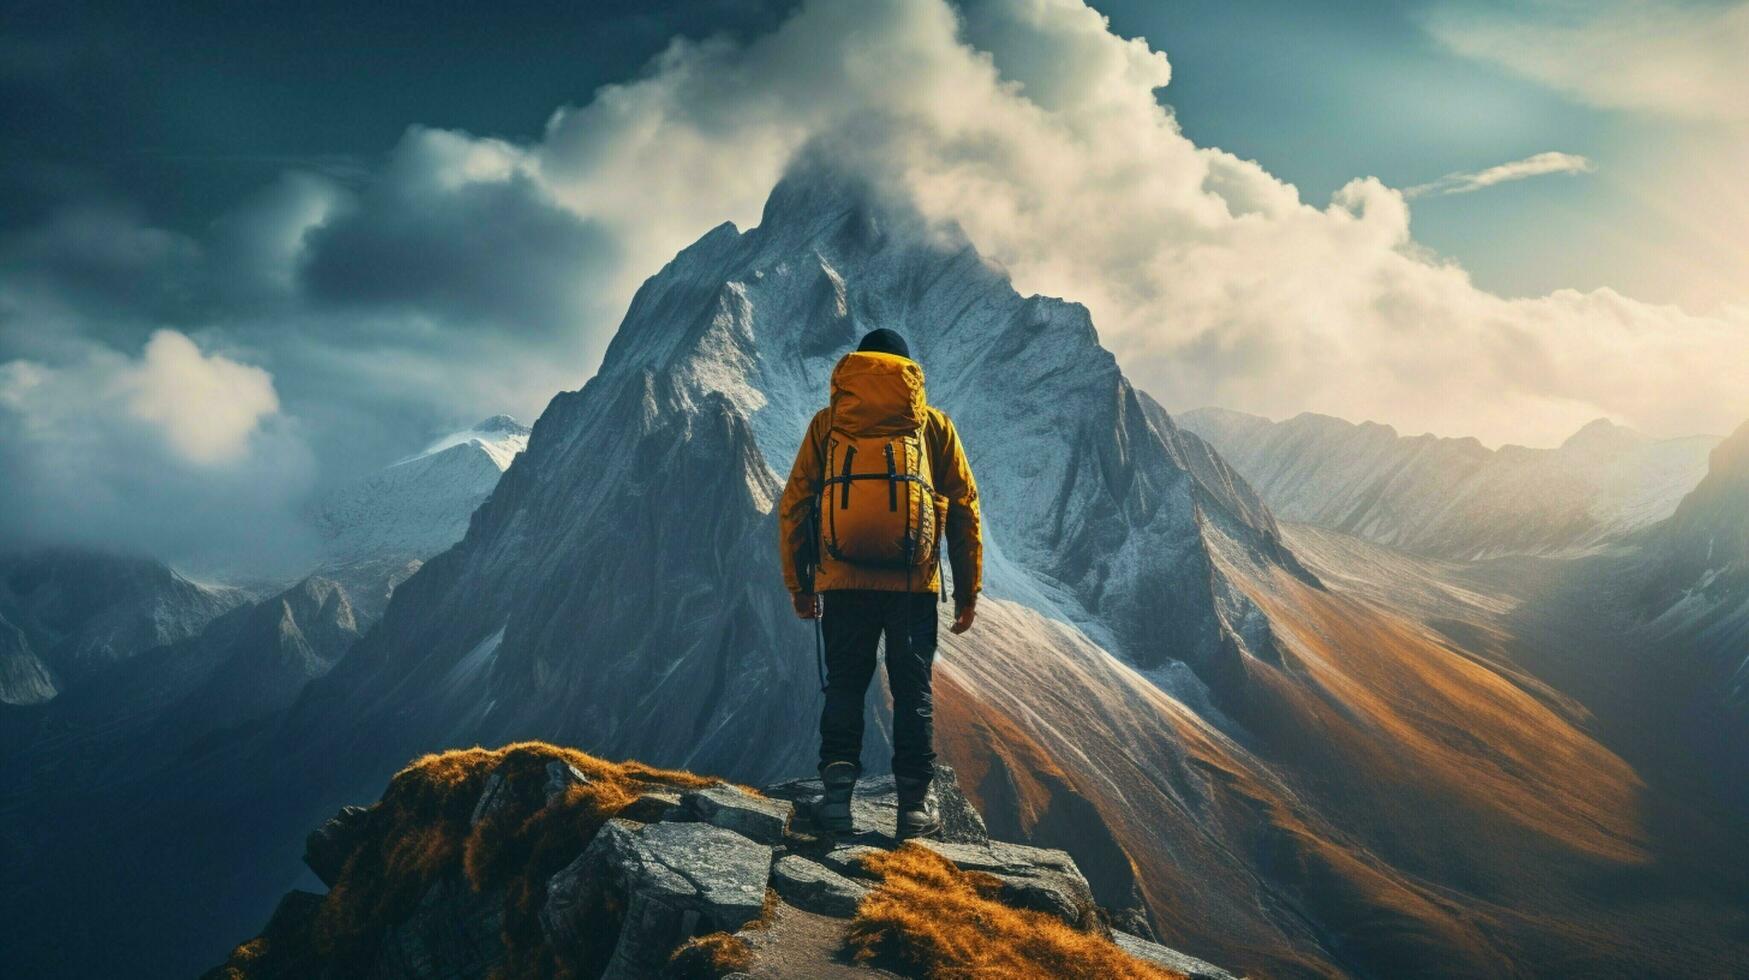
[[471, 275], [176, 453], [205, 407], [1463, 182], [1681, 59]]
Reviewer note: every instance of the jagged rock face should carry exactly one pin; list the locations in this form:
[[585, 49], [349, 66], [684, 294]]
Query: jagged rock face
[[1090, 506], [619, 589], [66, 617], [285, 642], [1710, 530], [673, 881], [1454, 498], [1697, 572]]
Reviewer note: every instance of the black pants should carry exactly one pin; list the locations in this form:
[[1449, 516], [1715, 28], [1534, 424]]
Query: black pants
[[854, 621]]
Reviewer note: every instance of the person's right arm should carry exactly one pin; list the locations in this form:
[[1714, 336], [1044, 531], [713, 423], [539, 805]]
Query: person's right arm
[[795, 536]]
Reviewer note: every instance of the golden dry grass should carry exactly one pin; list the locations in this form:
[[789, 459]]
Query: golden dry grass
[[710, 956], [933, 920]]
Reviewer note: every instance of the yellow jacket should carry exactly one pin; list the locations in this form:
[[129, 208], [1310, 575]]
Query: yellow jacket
[[874, 392]]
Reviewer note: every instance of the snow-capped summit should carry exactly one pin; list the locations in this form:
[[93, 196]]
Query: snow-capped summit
[[378, 530], [501, 437]]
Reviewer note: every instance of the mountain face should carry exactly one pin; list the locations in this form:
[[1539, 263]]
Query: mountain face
[[376, 531], [1454, 498], [653, 487], [267, 658], [67, 617], [1697, 582], [620, 588]]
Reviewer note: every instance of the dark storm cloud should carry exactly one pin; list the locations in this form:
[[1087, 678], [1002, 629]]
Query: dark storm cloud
[[102, 263], [447, 287], [493, 254]]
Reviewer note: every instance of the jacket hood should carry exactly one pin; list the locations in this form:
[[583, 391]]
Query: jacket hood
[[877, 394]]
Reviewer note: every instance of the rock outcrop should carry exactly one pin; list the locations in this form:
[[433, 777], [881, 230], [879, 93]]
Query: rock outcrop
[[738, 868]]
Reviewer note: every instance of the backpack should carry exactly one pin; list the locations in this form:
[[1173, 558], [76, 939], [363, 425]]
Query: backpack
[[877, 503]]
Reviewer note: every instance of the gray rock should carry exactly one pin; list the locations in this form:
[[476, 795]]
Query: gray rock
[[753, 817], [330, 845], [561, 776], [1032, 877], [650, 806], [454, 933], [847, 861], [1132, 919], [1171, 959], [496, 795], [875, 808], [493, 797], [673, 881], [815, 888]]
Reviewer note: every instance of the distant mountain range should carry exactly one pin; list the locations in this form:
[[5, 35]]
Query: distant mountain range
[[1455, 498], [68, 616]]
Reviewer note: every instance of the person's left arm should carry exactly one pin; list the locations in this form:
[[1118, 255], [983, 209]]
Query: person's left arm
[[965, 540]]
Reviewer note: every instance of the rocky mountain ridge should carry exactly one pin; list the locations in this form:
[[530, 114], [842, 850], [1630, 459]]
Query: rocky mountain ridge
[[1455, 498], [67, 617]]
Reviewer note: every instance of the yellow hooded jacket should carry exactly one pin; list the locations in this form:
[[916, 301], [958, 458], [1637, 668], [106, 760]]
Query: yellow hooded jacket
[[881, 394]]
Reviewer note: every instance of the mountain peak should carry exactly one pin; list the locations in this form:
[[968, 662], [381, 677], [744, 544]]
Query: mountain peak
[[501, 437], [1602, 435], [498, 424]]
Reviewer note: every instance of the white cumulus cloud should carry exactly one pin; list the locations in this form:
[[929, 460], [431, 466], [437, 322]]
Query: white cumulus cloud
[[205, 406], [176, 452], [1035, 128]]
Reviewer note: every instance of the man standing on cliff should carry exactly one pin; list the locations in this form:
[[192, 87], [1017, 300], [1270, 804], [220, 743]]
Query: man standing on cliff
[[878, 481]]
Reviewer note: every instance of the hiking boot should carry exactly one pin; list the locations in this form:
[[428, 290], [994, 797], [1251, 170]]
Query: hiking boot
[[917, 814], [832, 813]]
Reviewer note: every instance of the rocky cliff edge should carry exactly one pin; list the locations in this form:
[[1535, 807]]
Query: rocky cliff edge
[[533, 860]]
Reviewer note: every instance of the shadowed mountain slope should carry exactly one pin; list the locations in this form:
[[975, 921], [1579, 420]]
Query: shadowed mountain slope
[[67, 616]]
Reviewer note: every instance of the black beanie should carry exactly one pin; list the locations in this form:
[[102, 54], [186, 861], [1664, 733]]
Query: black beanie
[[884, 341]]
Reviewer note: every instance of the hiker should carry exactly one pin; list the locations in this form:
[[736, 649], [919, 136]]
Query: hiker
[[879, 479]]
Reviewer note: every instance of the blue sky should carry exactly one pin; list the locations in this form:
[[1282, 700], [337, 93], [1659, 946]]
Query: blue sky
[[1323, 92]]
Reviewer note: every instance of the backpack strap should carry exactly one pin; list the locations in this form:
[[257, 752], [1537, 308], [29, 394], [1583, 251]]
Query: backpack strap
[[844, 498], [892, 481]]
